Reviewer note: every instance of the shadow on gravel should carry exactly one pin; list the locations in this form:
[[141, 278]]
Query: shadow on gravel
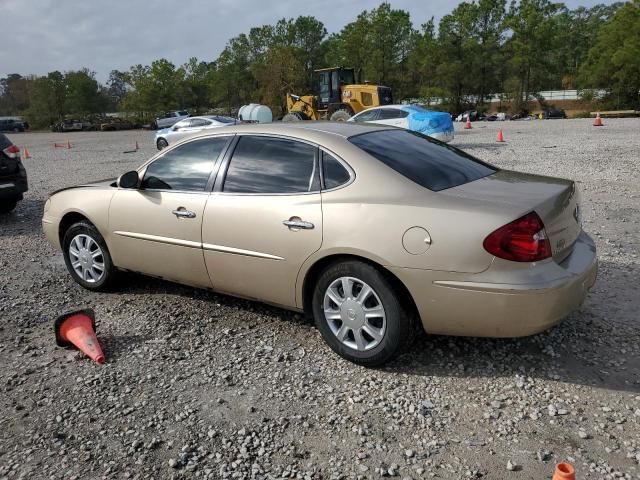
[[595, 346], [24, 220], [115, 346]]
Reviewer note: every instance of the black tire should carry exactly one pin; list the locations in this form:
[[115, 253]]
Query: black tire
[[7, 206], [86, 228], [398, 322], [341, 115], [293, 117], [161, 143]]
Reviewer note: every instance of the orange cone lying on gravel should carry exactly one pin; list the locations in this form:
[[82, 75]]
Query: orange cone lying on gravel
[[78, 329], [467, 125], [598, 121], [564, 471], [500, 137]]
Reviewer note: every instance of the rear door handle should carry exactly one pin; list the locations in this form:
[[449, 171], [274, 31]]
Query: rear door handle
[[298, 224], [182, 212]]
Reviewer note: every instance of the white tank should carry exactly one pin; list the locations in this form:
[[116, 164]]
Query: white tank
[[254, 112]]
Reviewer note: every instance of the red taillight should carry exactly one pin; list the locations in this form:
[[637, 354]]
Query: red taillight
[[12, 151], [523, 240]]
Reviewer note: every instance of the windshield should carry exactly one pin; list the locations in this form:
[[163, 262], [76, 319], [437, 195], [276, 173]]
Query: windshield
[[423, 160]]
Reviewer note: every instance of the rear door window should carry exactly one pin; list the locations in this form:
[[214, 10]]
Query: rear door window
[[392, 113], [423, 160], [272, 165]]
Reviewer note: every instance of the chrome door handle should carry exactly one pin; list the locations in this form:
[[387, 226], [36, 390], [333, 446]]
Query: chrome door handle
[[183, 213], [294, 224]]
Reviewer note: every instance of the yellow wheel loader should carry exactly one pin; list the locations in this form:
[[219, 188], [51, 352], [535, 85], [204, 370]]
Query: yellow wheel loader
[[339, 97]]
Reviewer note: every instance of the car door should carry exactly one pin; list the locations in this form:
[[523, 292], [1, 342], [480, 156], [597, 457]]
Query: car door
[[264, 218], [179, 131], [156, 228]]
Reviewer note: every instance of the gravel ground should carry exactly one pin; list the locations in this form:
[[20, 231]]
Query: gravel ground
[[207, 386]]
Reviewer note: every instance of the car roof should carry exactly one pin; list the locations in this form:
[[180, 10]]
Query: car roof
[[307, 127]]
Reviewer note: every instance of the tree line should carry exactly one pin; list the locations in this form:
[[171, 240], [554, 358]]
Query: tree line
[[481, 47]]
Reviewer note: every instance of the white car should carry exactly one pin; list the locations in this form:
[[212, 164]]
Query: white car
[[188, 126], [169, 119], [437, 125]]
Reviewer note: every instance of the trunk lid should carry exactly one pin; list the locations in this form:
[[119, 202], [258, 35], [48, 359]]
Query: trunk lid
[[555, 200]]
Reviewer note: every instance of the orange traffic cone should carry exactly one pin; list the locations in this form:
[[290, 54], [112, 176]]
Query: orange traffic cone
[[78, 329], [500, 138], [26, 153], [68, 145], [467, 125], [564, 471], [598, 121]]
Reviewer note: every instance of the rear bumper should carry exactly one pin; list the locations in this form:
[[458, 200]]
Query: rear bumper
[[473, 307]]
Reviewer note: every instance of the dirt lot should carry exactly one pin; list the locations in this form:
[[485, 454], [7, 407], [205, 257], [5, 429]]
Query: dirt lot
[[207, 386]]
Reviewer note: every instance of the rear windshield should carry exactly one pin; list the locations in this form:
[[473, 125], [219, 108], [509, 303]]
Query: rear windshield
[[428, 162]]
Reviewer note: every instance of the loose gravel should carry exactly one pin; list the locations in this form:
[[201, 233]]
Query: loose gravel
[[199, 385]]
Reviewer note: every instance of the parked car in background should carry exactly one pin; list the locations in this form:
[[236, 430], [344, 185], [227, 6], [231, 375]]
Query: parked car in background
[[74, 125], [496, 117], [13, 125], [113, 124], [189, 126], [169, 119], [13, 176], [366, 227], [554, 114], [437, 125], [472, 115]]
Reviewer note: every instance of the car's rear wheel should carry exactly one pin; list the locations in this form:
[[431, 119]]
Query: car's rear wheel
[[161, 143], [359, 313], [87, 257], [7, 206]]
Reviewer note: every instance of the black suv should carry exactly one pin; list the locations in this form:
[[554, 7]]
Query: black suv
[[11, 125], [551, 114], [13, 176]]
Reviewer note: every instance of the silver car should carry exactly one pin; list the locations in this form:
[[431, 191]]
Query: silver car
[[189, 126]]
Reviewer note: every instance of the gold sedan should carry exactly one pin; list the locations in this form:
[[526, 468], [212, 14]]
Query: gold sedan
[[370, 229]]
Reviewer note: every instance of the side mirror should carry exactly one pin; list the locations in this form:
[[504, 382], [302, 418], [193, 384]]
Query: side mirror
[[129, 180]]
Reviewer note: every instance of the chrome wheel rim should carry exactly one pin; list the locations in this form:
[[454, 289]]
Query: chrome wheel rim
[[354, 313], [86, 257]]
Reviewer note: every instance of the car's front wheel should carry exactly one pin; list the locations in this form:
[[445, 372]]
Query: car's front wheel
[[87, 257], [161, 143], [359, 314]]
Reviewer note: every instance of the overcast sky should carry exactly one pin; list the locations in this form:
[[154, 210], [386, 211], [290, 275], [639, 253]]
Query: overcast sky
[[39, 36]]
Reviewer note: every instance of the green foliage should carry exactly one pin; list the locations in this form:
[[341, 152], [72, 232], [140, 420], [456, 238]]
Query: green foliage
[[481, 47], [614, 61]]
